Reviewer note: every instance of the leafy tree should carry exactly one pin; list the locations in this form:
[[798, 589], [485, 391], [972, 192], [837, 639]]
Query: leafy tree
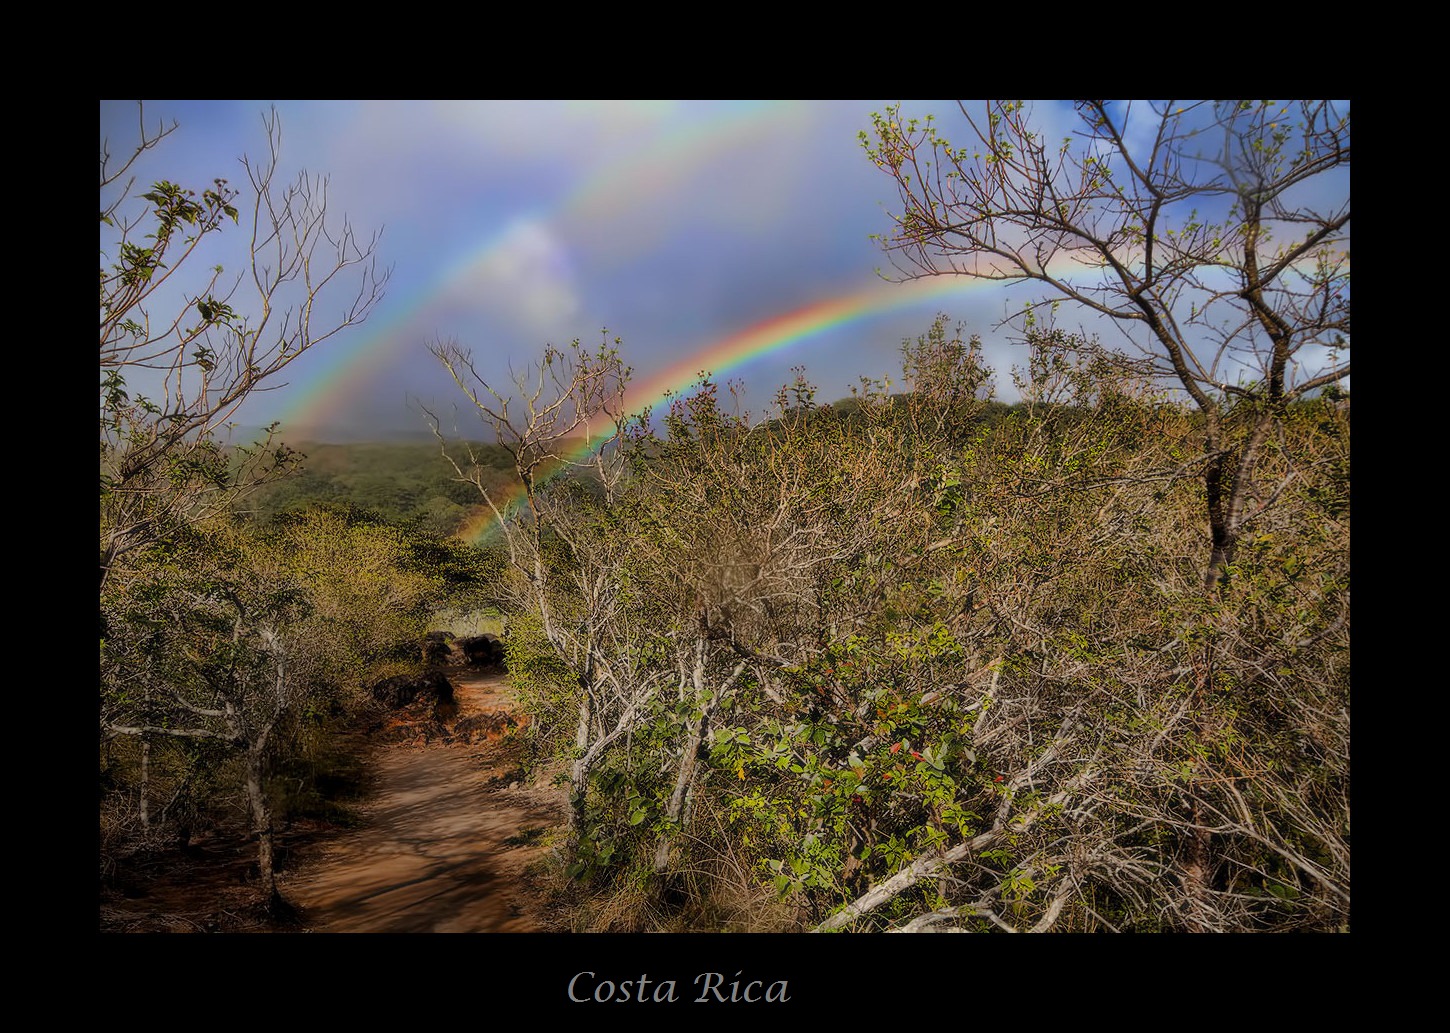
[[1215, 235], [199, 650], [228, 637], [564, 549], [371, 586], [183, 346]]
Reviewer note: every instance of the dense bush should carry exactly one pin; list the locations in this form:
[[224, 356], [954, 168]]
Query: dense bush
[[930, 661], [231, 656]]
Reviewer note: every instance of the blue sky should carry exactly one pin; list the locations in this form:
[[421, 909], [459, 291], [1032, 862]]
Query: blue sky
[[509, 225]]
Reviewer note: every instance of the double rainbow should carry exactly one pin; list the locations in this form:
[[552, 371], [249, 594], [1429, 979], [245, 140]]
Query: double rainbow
[[336, 378]]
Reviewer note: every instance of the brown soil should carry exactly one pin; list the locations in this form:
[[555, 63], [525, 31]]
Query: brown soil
[[443, 844], [447, 834]]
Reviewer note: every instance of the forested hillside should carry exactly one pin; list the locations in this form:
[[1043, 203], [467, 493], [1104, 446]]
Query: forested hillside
[[402, 483]]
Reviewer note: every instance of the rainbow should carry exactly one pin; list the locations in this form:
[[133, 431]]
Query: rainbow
[[336, 376], [768, 335]]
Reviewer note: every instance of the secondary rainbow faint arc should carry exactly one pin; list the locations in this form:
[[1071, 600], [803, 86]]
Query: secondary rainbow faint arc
[[760, 338], [342, 372]]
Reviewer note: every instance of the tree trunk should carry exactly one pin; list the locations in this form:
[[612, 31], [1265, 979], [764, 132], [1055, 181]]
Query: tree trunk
[[1227, 480], [683, 780], [1196, 871], [1219, 480], [690, 758], [261, 824], [145, 784], [579, 775]]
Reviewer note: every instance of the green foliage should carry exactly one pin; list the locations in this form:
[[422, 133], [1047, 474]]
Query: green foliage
[[371, 591], [400, 483], [924, 621], [543, 684], [226, 643]]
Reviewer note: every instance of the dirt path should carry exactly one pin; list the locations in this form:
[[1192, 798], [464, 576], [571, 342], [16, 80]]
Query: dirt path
[[445, 839]]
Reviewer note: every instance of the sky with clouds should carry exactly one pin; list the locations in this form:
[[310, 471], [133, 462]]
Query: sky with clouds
[[682, 227]]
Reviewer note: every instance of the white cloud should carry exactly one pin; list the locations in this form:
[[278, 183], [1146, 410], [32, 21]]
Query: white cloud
[[524, 276]]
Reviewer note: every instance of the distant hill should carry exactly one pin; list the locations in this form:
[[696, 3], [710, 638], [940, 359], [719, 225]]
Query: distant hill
[[401, 481], [296, 435]]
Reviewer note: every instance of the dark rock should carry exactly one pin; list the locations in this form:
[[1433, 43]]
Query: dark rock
[[482, 651], [437, 647], [401, 690]]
